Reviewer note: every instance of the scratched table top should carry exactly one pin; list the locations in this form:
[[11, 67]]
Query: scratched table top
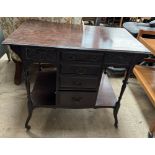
[[46, 34]]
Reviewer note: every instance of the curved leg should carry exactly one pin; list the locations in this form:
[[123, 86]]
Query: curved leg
[[115, 112], [27, 126], [29, 103], [30, 109]]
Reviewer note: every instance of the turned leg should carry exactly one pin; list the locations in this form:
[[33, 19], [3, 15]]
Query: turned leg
[[117, 106]]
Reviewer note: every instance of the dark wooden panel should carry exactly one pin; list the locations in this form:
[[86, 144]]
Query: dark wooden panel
[[106, 96], [80, 69], [118, 59], [43, 93], [81, 56], [38, 54], [75, 99], [78, 82]]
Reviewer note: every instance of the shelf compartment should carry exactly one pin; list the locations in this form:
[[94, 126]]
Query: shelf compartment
[[43, 93], [106, 96]]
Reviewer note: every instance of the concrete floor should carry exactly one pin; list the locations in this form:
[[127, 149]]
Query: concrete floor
[[135, 116]]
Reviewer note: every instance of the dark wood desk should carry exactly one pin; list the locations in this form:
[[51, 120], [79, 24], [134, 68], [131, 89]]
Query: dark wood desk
[[80, 54]]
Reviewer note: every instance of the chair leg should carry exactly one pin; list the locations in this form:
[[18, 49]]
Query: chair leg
[[18, 73], [8, 55]]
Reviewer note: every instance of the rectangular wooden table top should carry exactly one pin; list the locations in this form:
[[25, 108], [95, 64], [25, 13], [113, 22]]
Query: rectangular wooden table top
[[46, 34]]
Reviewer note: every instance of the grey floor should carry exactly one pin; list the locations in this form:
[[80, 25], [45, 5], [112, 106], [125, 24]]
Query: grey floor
[[135, 116]]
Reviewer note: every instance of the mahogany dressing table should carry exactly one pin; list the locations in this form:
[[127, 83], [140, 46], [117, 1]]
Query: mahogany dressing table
[[81, 56]]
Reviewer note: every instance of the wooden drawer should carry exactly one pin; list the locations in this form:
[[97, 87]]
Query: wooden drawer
[[80, 69], [39, 54], [81, 57], [118, 59], [77, 99], [67, 82]]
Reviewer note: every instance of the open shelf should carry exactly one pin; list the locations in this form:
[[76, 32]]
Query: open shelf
[[43, 93], [106, 96]]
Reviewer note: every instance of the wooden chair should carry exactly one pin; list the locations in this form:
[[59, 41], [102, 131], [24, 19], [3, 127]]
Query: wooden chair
[[146, 74], [147, 42]]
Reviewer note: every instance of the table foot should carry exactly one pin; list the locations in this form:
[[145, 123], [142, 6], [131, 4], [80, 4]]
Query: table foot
[[150, 134], [115, 113], [27, 126]]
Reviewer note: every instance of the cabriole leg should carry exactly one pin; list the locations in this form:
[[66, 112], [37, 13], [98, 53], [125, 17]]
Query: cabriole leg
[[29, 103], [115, 112], [27, 126]]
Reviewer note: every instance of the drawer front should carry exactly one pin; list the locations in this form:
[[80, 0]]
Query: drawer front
[[41, 54], [80, 69], [81, 57], [78, 83], [75, 99], [118, 59]]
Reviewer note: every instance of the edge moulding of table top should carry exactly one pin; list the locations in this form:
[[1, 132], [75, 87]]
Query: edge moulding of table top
[[81, 57]]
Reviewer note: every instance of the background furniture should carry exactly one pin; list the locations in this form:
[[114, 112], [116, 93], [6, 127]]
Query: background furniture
[[146, 74], [78, 81], [3, 49], [135, 27]]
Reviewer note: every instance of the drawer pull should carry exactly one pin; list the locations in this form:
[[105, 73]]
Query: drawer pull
[[76, 99], [80, 71], [77, 83], [72, 57]]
